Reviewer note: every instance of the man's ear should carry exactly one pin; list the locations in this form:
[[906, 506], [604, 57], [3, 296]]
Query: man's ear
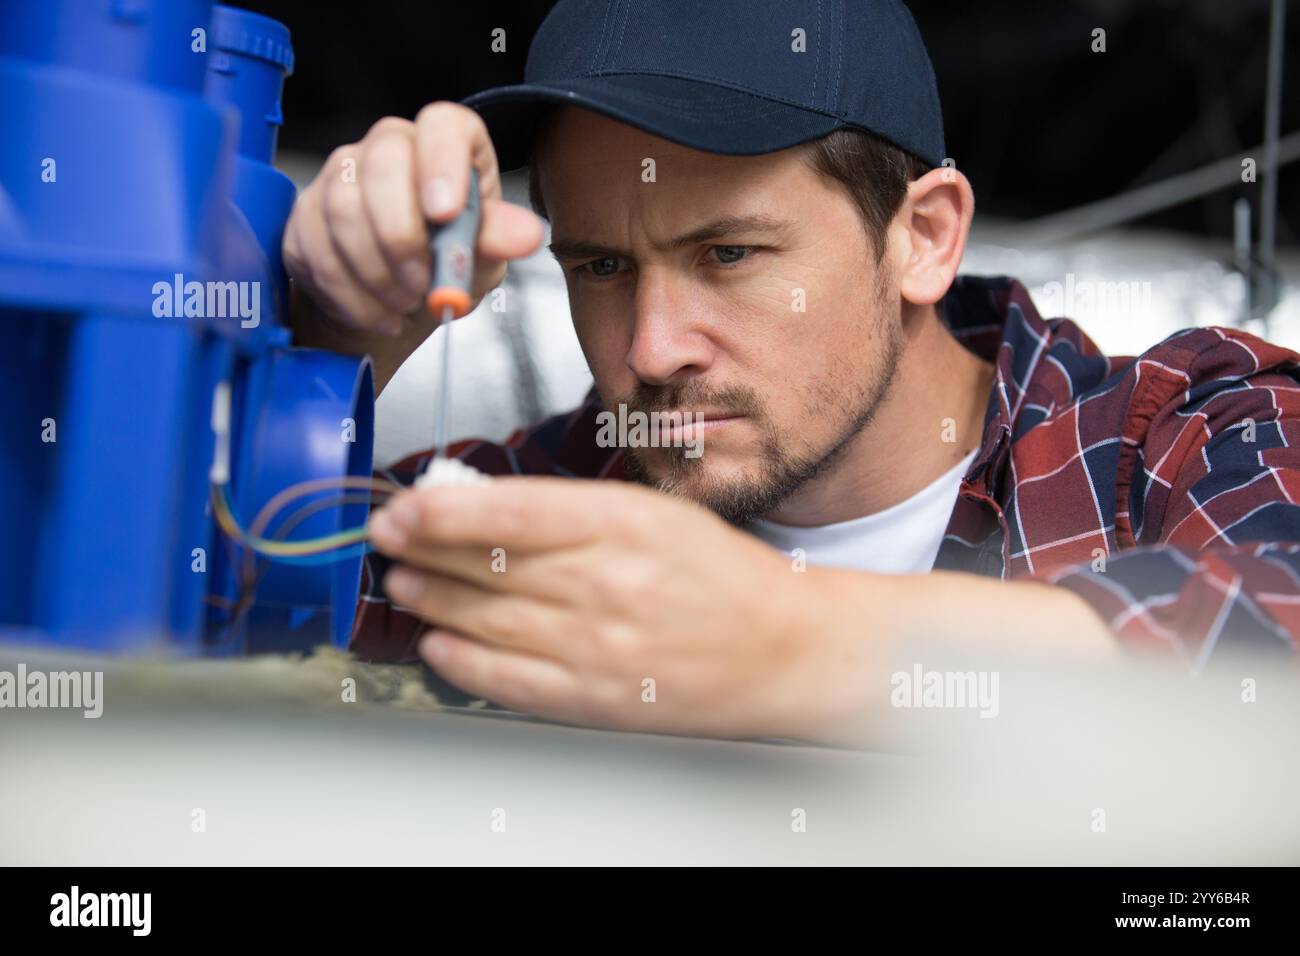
[[931, 230]]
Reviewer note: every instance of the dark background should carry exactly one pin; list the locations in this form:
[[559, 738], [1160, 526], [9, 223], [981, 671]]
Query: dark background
[[1036, 120]]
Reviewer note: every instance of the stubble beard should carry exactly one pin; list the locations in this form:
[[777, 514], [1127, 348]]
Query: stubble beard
[[781, 471]]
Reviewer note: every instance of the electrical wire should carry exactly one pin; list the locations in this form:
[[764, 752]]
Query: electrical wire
[[251, 574], [271, 548], [338, 546], [286, 551]]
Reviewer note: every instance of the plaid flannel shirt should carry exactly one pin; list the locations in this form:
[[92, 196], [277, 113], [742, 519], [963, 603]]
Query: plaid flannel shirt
[[1163, 489]]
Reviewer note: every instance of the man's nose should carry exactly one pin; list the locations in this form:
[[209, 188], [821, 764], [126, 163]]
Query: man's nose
[[669, 338]]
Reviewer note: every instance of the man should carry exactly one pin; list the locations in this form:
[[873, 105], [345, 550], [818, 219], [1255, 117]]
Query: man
[[756, 224]]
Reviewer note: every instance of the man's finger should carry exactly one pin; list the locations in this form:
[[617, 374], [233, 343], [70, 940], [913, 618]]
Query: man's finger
[[503, 620], [516, 681], [324, 274], [513, 513], [449, 139], [356, 246], [508, 231], [391, 196], [528, 574]]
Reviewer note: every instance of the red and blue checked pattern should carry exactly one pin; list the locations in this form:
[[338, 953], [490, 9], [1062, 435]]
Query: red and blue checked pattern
[[1163, 489]]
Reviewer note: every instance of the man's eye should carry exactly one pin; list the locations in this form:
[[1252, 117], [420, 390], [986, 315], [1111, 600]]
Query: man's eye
[[729, 254], [601, 268]]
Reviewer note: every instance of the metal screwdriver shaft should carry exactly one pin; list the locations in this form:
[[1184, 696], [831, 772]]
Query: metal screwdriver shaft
[[452, 246], [444, 387]]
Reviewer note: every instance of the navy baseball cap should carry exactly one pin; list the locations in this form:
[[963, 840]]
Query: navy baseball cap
[[726, 76]]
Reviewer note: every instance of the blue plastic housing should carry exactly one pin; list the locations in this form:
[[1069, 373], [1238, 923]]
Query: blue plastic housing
[[138, 137]]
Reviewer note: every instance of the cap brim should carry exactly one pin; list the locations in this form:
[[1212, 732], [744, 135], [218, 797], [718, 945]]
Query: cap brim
[[703, 116]]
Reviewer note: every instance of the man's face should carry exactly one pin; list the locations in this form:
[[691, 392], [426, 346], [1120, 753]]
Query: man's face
[[740, 288]]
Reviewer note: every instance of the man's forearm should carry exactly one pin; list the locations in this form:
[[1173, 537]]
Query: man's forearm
[[862, 628]]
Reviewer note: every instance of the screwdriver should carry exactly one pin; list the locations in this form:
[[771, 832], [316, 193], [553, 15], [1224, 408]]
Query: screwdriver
[[452, 246]]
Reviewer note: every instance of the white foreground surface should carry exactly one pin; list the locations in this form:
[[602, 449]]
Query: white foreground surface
[[1183, 771]]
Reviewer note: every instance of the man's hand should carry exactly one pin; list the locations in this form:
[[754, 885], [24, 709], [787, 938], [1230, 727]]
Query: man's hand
[[357, 242], [603, 604], [607, 604]]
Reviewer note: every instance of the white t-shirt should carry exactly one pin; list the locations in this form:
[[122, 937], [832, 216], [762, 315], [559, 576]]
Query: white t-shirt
[[902, 539]]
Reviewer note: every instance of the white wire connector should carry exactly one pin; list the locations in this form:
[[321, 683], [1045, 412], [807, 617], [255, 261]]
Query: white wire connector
[[450, 471], [220, 472]]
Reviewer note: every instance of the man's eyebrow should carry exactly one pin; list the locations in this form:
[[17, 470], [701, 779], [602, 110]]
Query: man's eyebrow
[[572, 249], [720, 228], [728, 226]]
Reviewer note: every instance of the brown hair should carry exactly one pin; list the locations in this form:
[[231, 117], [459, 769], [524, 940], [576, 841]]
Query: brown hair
[[875, 172]]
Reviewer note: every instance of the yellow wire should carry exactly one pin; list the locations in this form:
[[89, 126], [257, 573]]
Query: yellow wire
[[226, 519]]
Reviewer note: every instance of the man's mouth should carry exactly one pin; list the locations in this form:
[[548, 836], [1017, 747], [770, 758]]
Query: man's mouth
[[687, 426]]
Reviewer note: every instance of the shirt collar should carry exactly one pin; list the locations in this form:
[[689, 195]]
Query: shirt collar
[[994, 317]]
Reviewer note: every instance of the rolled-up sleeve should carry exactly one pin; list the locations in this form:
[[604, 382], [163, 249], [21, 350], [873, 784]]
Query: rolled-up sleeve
[[1208, 511]]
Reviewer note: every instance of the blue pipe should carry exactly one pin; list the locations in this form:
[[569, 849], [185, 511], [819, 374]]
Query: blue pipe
[[136, 170]]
